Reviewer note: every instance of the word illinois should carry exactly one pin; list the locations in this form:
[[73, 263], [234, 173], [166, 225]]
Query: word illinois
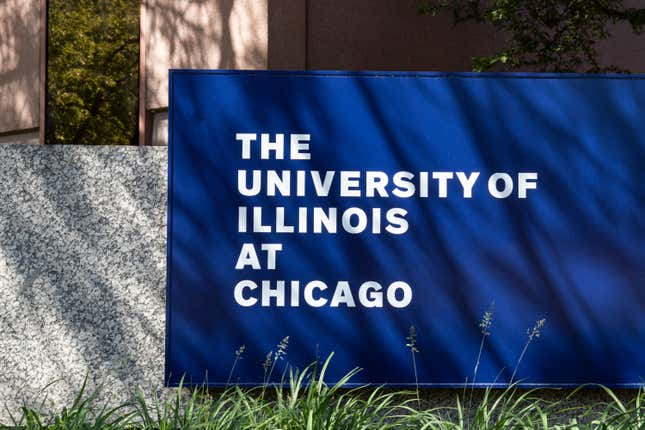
[[328, 220]]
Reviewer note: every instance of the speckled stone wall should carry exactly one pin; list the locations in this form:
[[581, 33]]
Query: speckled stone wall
[[82, 271]]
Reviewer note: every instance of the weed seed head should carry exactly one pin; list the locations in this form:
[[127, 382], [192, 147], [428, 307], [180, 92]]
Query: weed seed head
[[534, 333], [240, 352], [412, 340], [267, 361], [282, 348], [487, 320]]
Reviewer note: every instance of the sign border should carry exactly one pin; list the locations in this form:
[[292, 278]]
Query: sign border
[[172, 73]]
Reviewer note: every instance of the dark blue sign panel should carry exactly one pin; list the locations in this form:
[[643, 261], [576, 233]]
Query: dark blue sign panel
[[342, 209]]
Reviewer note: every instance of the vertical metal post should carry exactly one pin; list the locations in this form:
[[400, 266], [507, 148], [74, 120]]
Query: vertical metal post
[[42, 123], [143, 120]]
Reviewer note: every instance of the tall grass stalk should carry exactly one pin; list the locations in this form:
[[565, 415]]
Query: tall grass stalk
[[532, 333], [411, 344], [238, 356], [281, 352], [484, 326]]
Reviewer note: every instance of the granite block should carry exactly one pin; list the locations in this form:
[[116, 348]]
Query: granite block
[[82, 271]]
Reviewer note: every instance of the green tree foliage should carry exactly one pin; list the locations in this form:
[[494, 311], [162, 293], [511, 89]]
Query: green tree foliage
[[93, 71], [544, 35]]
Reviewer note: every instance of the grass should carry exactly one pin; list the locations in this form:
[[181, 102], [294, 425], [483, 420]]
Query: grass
[[307, 402]]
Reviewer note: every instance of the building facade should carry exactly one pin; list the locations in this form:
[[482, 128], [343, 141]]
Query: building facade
[[252, 34]]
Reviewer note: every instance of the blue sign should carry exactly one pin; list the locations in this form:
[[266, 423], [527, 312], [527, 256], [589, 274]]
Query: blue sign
[[380, 215]]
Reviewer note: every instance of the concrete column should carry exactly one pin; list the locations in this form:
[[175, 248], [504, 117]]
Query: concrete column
[[208, 34]]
